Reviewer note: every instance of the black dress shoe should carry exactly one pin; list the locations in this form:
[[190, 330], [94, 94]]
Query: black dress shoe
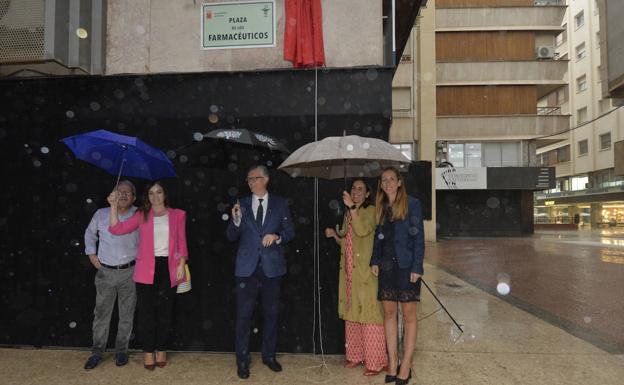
[[403, 381], [390, 378], [272, 364], [121, 359], [242, 369], [93, 361]]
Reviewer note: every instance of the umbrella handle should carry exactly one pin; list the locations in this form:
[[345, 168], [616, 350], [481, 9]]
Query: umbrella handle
[[119, 175]]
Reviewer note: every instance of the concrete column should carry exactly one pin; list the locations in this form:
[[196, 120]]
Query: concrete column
[[425, 100], [595, 215]]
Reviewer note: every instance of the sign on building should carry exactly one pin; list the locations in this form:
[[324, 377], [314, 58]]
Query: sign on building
[[469, 178], [241, 24]]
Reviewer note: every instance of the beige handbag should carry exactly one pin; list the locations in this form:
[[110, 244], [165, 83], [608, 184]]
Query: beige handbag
[[185, 286]]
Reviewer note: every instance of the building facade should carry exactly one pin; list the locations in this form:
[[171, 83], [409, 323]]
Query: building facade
[[493, 61], [589, 192]]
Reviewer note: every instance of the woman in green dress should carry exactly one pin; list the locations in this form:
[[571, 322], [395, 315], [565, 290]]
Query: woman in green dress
[[357, 295]]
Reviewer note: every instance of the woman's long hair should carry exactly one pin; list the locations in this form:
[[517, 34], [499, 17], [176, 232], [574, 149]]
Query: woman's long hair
[[147, 206], [399, 207]]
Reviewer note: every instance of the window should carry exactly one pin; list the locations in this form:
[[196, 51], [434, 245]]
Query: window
[[406, 149], [581, 83], [579, 183], [581, 115], [583, 148], [501, 154], [563, 36], [562, 95], [605, 141], [580, 51], [563, 154], [579, 19], [456, 154], [473, 154]]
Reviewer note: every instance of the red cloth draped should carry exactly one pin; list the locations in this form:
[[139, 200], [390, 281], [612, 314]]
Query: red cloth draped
[[303, 33]]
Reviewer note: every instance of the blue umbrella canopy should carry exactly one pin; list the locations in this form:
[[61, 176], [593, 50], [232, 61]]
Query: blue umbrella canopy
[[121, 155]]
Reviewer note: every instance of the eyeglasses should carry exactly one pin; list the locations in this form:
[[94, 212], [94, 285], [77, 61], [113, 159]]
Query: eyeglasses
[[253, 179]]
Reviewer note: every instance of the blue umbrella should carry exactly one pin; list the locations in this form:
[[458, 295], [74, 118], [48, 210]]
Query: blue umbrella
[[121, 155]]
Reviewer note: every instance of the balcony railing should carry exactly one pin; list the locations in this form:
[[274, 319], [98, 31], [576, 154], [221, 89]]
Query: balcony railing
[[549, 110]]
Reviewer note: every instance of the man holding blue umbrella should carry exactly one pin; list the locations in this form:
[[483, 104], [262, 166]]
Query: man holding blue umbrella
[[114, 261]]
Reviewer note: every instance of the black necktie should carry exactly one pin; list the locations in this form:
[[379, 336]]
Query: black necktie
[[259, 213]]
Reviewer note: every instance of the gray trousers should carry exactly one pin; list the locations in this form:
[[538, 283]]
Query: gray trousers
[[111, 284]]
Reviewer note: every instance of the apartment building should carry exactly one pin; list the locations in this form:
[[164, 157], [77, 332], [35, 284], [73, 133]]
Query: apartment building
[[589, 191], [474, 110]]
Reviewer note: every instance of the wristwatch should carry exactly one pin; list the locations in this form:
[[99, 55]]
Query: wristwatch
[[353, 207]]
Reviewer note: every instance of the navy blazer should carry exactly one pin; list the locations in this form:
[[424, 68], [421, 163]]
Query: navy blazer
[[409, 240], [277, 220]]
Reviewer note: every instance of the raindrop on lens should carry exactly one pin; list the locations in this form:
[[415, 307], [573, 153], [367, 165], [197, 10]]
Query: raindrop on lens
[[321, 100], [380, 236], [242, 285], [213, 118], [171, 154], [503, 288], [198, 136], [225, 217], [69, 114], [82, 33], [371, 74], [214, 108], [45, 150], [493, 202], [587, 319], [95, 106], [255, 330], [72, 324], [89, 200], [183, 158], [366, 145], [333, 204], [349, 147], [232, 191], [37, 163]]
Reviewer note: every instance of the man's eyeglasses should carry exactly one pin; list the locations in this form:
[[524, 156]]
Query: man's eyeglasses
[[253, 179]]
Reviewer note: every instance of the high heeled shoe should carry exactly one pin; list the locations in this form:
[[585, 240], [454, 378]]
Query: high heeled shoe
[[390, 377], [401, 381], [151, 366], [163, 363]]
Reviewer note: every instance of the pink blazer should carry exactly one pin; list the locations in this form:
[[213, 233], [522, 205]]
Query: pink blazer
[[145, 259]]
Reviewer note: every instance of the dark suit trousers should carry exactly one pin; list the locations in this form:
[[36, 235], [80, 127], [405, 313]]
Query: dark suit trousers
[[247, 290]]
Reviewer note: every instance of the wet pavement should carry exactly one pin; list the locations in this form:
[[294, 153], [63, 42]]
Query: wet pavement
[[557, 325], [571, 279]]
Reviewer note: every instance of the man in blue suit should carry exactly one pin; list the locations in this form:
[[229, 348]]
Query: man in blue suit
[[262, 225]]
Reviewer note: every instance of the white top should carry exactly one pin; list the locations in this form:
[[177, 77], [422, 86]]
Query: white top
[[161, 236]]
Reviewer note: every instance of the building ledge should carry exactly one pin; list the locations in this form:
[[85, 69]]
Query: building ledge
[[500, 127]]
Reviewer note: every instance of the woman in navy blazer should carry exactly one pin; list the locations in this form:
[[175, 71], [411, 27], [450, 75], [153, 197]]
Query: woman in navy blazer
[[397, 261]]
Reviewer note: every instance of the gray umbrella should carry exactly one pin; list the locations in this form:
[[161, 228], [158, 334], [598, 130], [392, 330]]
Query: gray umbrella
[[344, 156]]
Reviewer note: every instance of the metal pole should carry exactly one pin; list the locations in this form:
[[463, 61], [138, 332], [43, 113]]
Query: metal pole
[[436, 298]]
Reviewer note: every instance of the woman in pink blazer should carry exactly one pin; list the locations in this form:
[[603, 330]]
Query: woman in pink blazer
[[160, 261]]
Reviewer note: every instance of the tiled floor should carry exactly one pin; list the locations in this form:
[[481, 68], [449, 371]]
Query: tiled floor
[[553, 280]]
